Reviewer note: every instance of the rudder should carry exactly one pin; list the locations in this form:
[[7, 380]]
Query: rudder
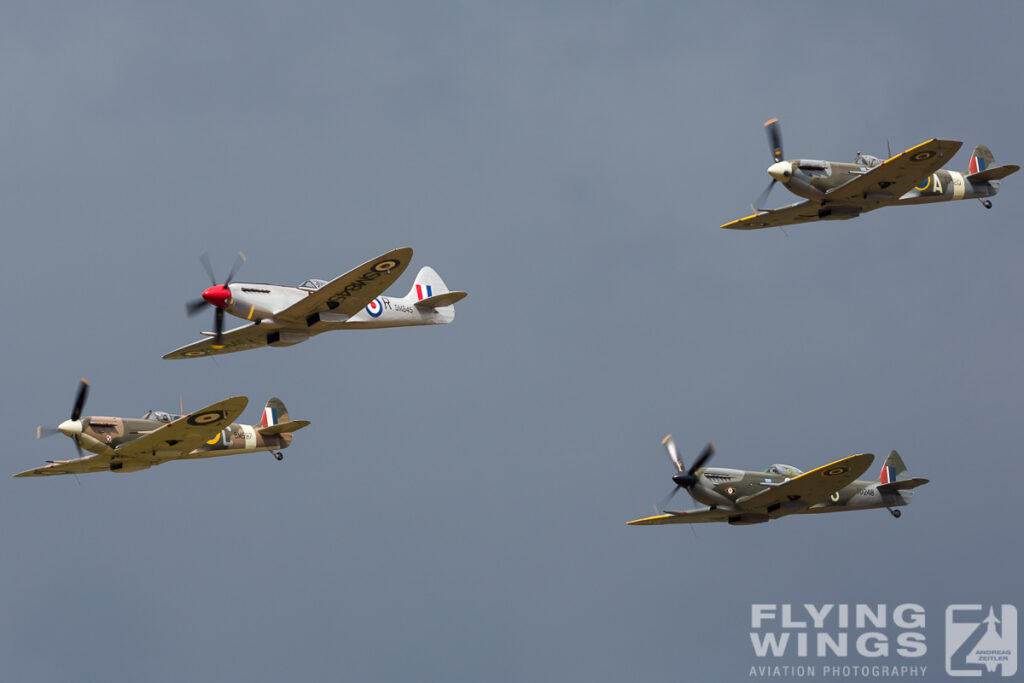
[[892, 469], [981, 159], [274, 413], [427, 284]]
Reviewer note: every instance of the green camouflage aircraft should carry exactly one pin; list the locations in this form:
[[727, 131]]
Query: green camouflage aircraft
[[118, 444], [837, 191], [744, 497]]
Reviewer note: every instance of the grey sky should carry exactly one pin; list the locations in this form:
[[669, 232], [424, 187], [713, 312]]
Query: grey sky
[[457, 509]]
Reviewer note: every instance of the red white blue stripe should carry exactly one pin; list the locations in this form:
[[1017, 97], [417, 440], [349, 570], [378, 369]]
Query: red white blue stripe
[[888, 475], [269, 417], [423, 291], [977, 165]]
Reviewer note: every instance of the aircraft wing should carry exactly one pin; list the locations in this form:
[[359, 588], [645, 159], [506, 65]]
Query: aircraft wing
[[685, 517], [810, 487], [801, 212], [187, 432], [894, 177], [89, 463], [239, 339], [352, 291]]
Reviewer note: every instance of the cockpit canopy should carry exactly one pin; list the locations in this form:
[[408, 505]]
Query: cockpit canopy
[[160, 416], [312, 284], [784, 470], [867, 160]]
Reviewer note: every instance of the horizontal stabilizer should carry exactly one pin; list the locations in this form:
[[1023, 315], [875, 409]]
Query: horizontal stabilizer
[[284, 427], [902, 484], [993, 173], [439, 300]]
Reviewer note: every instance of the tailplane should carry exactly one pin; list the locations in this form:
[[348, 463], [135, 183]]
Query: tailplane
[[983, 166], [430, 291], [276, 419], [894, 477]]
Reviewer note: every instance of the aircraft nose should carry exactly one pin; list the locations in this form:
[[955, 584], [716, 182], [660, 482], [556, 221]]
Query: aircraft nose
[[781, 171], [70, 427], [218, 296]]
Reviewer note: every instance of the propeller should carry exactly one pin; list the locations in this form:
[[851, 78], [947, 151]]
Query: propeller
[[774, 132], [216, 295], [72, 427], [683, 478]]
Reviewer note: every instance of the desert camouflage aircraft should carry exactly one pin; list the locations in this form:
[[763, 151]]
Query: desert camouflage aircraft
[[742, 497], [283, 316], [119, 444], [837, 191]]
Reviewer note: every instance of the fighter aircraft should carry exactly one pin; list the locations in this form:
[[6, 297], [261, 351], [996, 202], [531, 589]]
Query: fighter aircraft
[[119, 444], [283, 316], [742, 497], [838, 191]]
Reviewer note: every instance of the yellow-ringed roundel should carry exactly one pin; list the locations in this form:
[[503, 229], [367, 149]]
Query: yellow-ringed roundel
[[215, 439], [374, 308], [386, 265], [923, 156], [208, 417], [925, 186], [731, 491], [836, 471], [835, 497], [195, 353]]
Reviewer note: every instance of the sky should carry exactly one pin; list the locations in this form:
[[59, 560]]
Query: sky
[[456, 511]]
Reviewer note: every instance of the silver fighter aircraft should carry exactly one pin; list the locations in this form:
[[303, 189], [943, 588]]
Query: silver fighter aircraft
[[280, 315]]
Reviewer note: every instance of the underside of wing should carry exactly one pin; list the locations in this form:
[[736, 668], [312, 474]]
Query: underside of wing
[[801, 212], [83, 465], [696, 516], [352, 291], [239, 339], [808, 488], [894, 177], [187, 432]]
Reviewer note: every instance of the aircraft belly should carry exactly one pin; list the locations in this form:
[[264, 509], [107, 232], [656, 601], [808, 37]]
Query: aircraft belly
[[196, 455]]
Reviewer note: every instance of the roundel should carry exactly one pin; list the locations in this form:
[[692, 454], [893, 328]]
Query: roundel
[[924, 186], [374, 308], [923, 156], [836, 471], [835, 497], [731, 491], [205, 418], [195, 353], [386, 265]]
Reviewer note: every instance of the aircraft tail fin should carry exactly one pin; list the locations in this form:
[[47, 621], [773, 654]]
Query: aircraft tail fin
[[430, 292], [892, 469], [274, 413], [894, 477], [276, 420], [981, 159]]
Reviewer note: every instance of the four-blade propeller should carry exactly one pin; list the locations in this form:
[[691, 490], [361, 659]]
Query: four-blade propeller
[[73, 426], [217, 295], [683, 478]]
